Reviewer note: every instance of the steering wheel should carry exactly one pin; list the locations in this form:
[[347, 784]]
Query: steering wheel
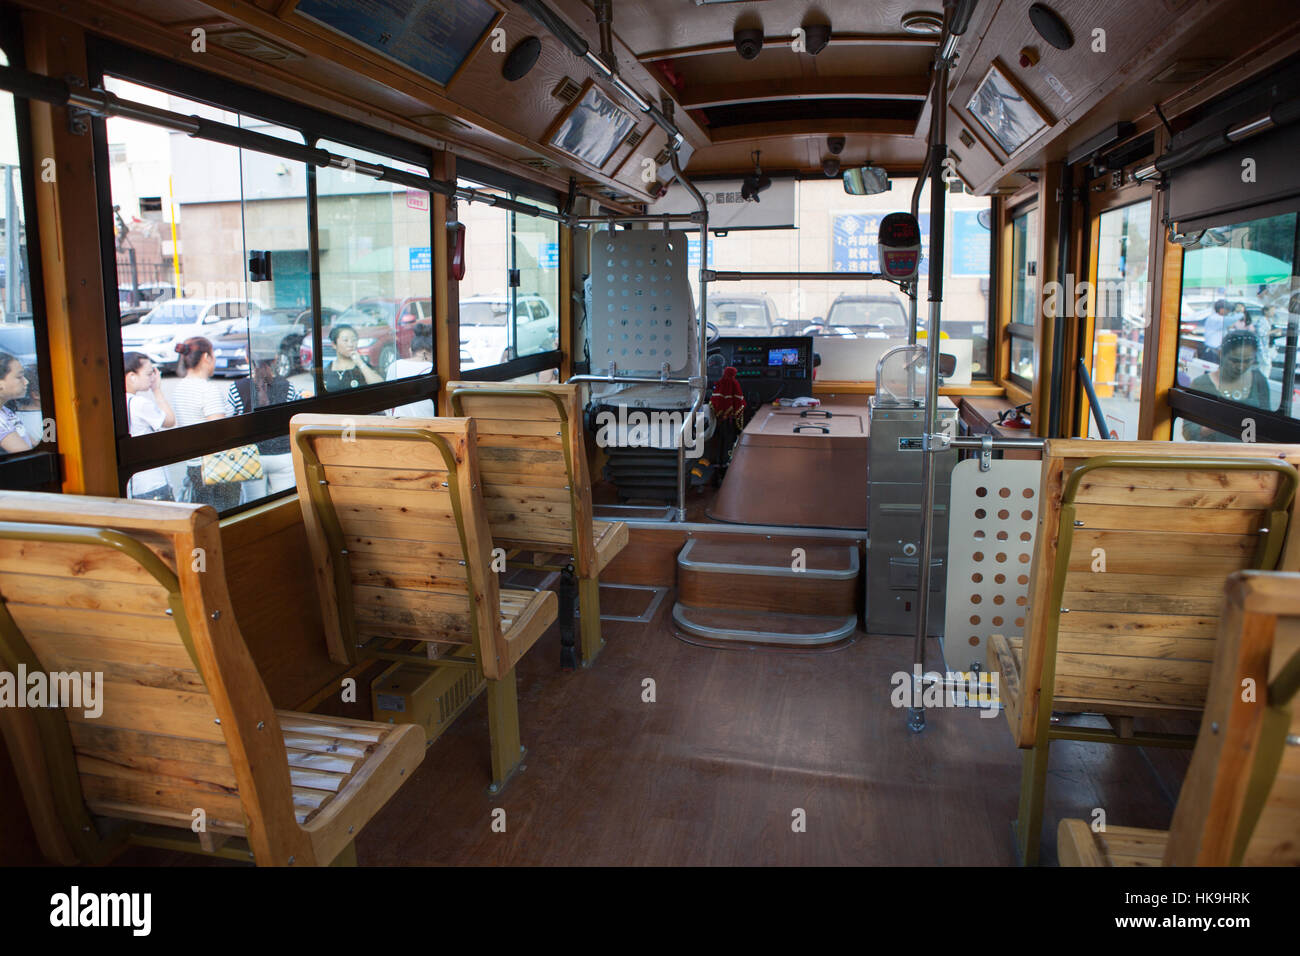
[[712, 333]]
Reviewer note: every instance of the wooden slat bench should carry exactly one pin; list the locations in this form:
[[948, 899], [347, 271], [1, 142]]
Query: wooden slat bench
[[136, 592], [399, 537], [1240, 802], [1125, 588], [534, 464]]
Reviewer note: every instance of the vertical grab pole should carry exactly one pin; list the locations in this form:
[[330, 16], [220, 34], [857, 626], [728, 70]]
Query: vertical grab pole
[[938, 152], [702, 345]]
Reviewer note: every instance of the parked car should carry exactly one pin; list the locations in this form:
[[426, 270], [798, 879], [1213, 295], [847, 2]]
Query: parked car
[[861, 316], [485, 329], [752, 315], [174, 320], [19, 340], [384, 326], [277, 333]]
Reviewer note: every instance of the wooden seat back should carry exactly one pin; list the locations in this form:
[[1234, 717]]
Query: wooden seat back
[[534, 465], [1127, 575], [135, 592], [1240, 802], [398, 533]]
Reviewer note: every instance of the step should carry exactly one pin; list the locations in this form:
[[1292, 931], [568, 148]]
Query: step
[[757, 574], [763, 627]]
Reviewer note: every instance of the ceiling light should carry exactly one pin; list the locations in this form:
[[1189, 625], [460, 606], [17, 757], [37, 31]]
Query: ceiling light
[[922, 23]]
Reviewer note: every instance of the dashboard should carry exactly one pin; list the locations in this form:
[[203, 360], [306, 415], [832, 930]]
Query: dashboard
[[768, 367]]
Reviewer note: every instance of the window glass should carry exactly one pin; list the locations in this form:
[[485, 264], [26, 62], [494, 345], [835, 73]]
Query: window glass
[[1186, 430], [1024, 268], [535, 248], [376, 274], [836, 232], [23, 425], [1022, 357], [1119, 305], [1238, 317], [486, 323]]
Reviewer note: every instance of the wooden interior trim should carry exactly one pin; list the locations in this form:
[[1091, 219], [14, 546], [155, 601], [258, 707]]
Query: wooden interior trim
[[810, 88], [1159, 363], [837, 39], [745, 132], [565, 304], [483, 41], [68, 210], [446, 291]]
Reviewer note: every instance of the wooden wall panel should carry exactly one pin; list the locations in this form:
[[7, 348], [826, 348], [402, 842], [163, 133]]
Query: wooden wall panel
[[274, 594]]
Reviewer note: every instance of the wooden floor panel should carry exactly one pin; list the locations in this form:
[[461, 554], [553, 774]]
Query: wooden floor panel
[[712, 772]]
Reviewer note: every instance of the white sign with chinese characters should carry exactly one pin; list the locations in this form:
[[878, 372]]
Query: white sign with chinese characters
[[774, 208]]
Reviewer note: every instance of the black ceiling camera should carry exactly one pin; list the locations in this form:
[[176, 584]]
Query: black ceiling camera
[[756, 182], [831, 166], [749, 42], [816, 36], [835, 144]]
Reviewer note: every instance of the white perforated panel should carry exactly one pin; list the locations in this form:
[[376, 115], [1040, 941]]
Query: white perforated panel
[[641, 303], [992, 515]]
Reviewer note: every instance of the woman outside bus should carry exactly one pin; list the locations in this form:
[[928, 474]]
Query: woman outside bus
[[261, 390], [198, 399], [13, 387], [349, 368], [147, 411], [1237, 378]]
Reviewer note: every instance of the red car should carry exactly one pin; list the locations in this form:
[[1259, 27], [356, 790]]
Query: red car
[[384, 326]]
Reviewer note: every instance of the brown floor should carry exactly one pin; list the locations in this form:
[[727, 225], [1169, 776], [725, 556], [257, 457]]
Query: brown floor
[[712, 771]]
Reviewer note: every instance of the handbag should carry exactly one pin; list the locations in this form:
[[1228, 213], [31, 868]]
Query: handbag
[[234, 464]]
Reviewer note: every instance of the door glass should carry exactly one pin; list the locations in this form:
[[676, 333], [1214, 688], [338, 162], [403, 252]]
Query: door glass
[[1119, 304]]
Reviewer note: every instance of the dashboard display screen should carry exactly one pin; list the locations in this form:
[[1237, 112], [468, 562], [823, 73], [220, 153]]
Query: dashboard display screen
[[782, 356]]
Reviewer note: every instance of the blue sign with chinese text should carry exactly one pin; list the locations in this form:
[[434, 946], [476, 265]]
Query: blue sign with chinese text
[[970, 244], [420, 259], [853, 242]]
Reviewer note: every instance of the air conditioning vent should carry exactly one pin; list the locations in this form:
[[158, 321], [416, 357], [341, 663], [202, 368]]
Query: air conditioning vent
[[1188, 71], [248, 43], [567, 91], [634, 138]]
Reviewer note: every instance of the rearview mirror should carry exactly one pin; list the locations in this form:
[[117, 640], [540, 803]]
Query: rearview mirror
[[866, 181], [947, 364]]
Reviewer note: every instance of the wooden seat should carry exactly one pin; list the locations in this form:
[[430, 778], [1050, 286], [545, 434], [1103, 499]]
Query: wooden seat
[[400, 545], [534, 465], [186, 740], [1125, 589], [1240, 802]]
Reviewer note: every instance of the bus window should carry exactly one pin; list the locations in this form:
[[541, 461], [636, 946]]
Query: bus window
[[510, 296], [376, 273], [1120, 320], [1237, 329], [1024, 297], [837, 233], [23, 423]]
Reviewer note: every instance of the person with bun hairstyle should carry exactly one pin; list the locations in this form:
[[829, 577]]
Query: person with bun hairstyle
[[1237, 379], [198, 399], [13, 386], [349, 368]]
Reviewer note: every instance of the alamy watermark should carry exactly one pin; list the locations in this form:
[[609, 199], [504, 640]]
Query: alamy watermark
[[977, 689], [83, 690], [638, 428]]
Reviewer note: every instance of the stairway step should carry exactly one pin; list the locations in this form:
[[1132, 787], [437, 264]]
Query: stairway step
[[763, 627], [755, 574]]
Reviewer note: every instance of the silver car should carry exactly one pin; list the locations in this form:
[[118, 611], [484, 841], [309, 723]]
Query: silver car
[[175, 320]]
